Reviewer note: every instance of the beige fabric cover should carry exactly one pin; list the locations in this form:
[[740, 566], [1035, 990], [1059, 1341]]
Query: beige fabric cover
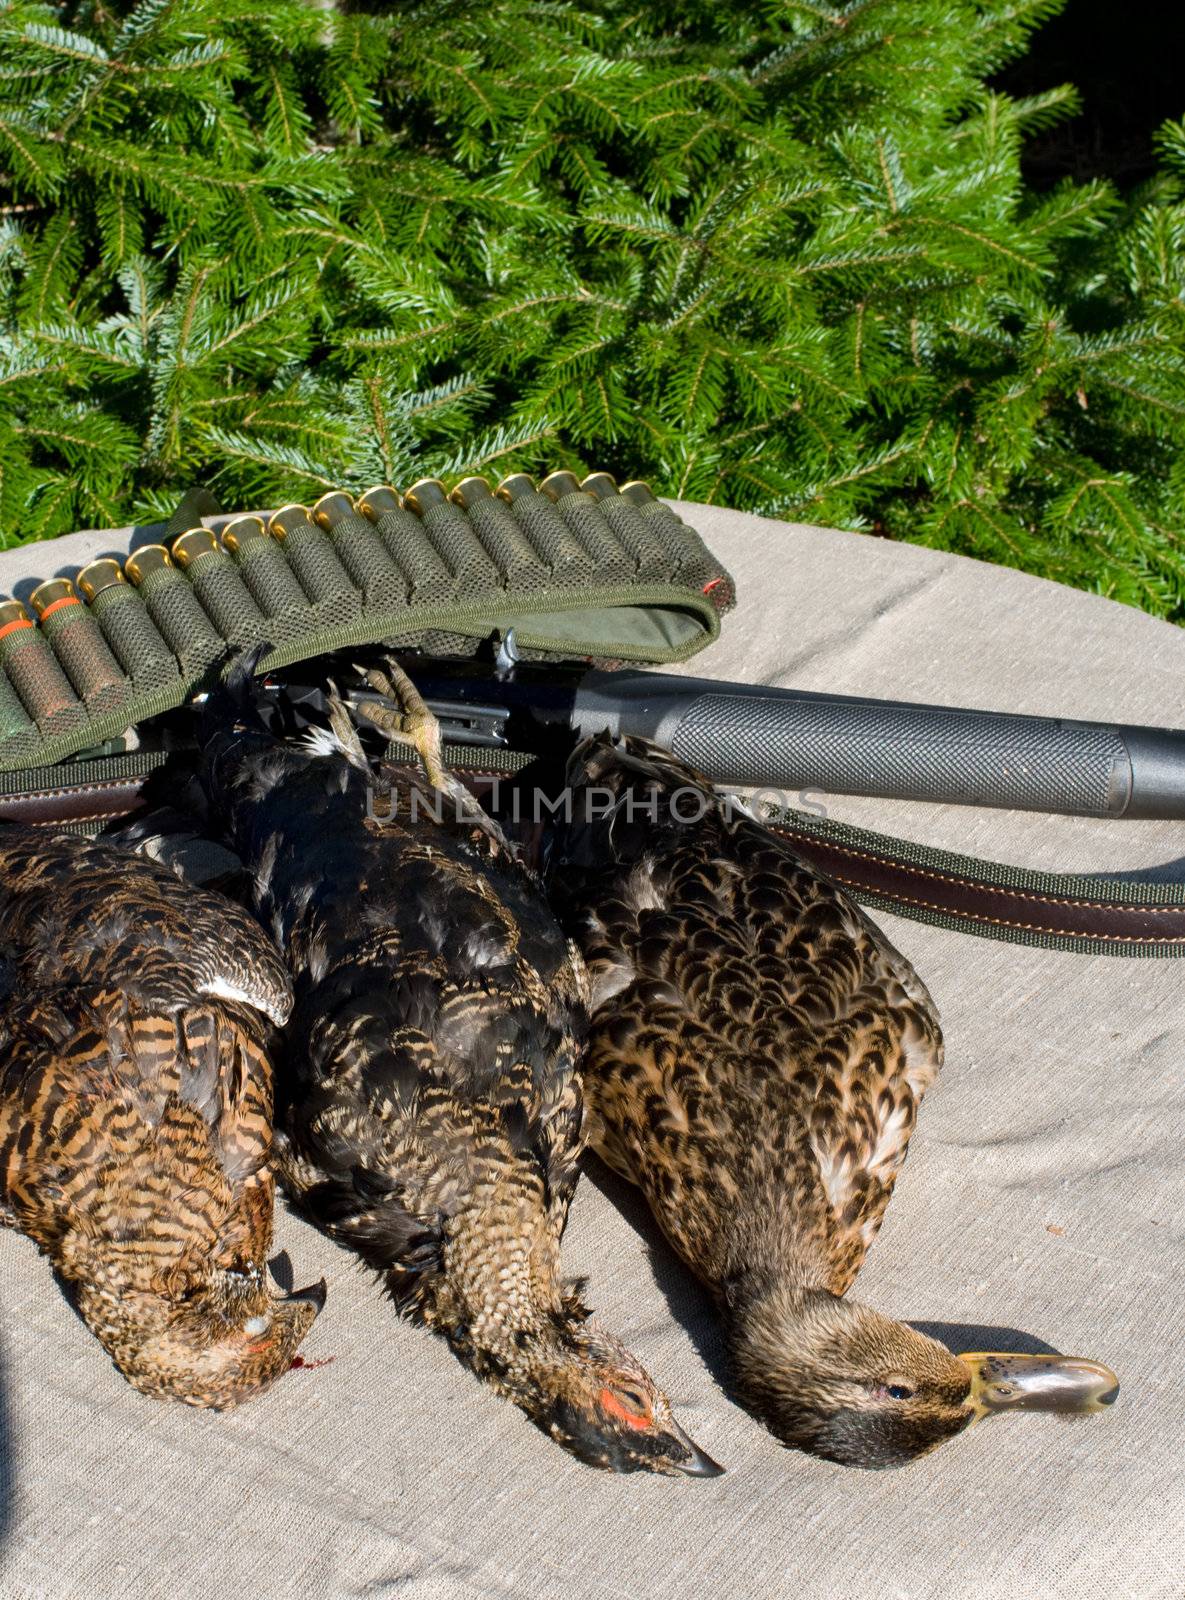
[[1043, 1194]]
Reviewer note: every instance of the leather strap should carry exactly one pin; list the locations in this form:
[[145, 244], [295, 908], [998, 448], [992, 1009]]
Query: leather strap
[[1086, 914], [1062, 911]]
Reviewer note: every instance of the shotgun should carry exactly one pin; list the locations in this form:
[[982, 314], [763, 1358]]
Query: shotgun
[[745, 735]]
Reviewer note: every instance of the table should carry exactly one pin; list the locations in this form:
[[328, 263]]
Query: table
[[1042, 1201]]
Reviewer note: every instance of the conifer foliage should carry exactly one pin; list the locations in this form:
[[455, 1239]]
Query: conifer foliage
[[774, 255]]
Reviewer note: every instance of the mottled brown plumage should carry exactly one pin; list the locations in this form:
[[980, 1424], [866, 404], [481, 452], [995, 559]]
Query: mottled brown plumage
[[135, 1112], [757, 1056], [432, 1103]]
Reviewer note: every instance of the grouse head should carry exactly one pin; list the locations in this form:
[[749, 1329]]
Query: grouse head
[[213, 1344], [580, 1384]]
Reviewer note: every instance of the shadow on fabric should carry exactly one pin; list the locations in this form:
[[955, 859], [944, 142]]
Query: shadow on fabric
[[1169, 872], [965, 1337], [689, 1303]]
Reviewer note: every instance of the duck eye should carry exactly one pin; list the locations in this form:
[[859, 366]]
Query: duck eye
[[899, 1391]]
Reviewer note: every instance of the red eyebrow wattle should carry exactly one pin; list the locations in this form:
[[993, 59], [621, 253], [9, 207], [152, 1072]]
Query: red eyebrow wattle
[[632, 1419]]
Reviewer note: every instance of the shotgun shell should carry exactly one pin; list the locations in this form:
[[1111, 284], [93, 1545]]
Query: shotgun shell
[[14, 719], [13, 618], [629, 527], [190, 546], [448, 528], [515, 487], [493, 522], [127, 627], [242, 531], [640, 518], [668, 526], [316, 564], [286, 520], [685, 552], [376, 502], [545, 529], [601, 485], [80, 647], [469, 491], [331, 508], [271, 581], [142, 563], [403, 538], [34, 673], [363, 556], [424, 493], [99, 576], [583, 515], [219, 586], [175, 609], [558, 484], [52, 596]]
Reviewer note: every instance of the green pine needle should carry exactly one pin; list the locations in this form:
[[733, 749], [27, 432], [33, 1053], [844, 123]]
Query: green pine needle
[[776, 254]]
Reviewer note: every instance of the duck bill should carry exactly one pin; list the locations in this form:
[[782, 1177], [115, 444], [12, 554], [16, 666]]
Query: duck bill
[[699, 1464], [1068, 1384]]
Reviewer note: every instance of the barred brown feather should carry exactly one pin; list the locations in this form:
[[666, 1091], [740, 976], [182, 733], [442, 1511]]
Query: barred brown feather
[[136, 1111]]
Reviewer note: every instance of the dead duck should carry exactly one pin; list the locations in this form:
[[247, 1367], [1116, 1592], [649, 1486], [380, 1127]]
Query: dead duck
[[136, 1112], [757, 1056], [433, 1107]]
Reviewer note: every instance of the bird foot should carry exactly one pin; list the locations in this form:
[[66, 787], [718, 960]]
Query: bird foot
[[409, 719], [343, 729]]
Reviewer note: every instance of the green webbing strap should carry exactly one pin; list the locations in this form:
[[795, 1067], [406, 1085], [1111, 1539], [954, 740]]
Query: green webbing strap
[[1089, 913], [196, 503]]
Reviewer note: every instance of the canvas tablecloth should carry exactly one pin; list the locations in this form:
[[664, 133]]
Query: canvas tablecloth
[[1043, 1200]]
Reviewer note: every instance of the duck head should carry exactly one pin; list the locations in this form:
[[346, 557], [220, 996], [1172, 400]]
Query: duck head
[[837, 1379]]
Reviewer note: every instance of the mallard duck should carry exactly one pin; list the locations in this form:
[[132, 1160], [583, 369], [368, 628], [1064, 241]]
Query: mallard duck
[[757, 1056], [432, 1114], [135, 1112]]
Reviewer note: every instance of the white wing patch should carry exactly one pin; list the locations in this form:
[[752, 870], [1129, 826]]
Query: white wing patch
[[325, 742], [836, 1172], [640, 891], [277, 1007], [609, 980]]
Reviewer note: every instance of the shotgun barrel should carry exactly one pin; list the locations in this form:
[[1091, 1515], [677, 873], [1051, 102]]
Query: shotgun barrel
[[746, 735]]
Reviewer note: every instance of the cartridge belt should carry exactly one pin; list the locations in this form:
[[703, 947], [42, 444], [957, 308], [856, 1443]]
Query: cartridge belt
[[579, 570]]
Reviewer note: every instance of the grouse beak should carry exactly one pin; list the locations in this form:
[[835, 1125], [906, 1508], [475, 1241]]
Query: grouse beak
[[1069, 1384], [315, 1296], [699, 1464]]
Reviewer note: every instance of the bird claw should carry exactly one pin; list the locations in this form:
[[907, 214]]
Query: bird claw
[[408, 718], [342, 726]]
